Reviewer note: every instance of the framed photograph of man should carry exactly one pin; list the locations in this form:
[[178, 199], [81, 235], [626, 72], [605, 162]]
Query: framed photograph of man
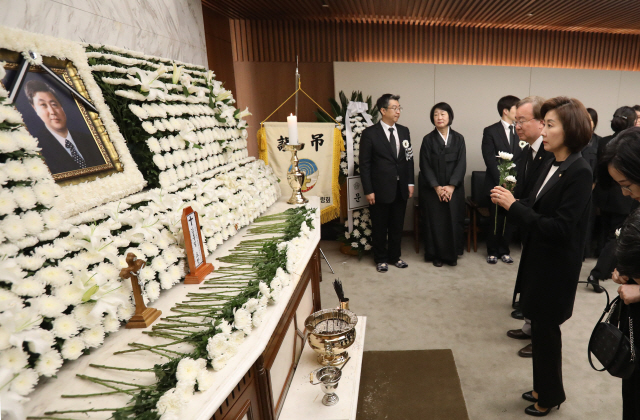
[[73, 141]]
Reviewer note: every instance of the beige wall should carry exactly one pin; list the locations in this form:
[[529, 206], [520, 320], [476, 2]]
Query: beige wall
[[473, 92]]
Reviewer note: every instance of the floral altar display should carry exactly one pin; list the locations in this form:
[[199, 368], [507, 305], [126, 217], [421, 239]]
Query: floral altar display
[[175, 130]]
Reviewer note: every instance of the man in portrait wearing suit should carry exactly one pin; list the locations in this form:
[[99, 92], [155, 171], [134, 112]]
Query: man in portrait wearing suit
[[63, 150], [386, 170], [529, 125], [499, 137]]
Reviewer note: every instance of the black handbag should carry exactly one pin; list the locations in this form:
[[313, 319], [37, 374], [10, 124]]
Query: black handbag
[[614, 350]]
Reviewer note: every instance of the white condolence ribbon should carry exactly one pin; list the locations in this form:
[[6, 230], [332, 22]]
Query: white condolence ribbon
[[354, 108]]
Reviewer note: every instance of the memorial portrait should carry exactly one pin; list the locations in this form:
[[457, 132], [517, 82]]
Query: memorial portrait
[[69, 135]]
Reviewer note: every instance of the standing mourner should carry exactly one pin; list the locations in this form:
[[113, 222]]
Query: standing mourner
[[443, 163], [554, 221], [386, 170], [499, 137]]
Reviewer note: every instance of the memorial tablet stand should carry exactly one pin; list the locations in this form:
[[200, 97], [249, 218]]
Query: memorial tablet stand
[[198, 265], [143, 317]]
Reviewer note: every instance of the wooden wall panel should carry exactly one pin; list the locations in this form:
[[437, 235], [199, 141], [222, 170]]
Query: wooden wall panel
[[319, 41], [219, 47], [264, 86]]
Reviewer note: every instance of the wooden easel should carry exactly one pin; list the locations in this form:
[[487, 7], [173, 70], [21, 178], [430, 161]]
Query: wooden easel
[[143, 316], [198, 265]]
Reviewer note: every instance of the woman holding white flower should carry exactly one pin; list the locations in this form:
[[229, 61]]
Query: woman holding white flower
[[555, 225], [443, 163]]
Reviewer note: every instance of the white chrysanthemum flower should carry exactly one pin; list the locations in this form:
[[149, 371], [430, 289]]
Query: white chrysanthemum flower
[[28, 287], [72, 348], [65, 327], [356, 233], [217, 345], [33, 222], [8, 142], [522, 144], [24, 197], [69, 294], [363, 241], [220, 362], [367, 247], [171, 255], [354, 245], [54, 276], [7, 203], [8, 300], [205, 380], [149, 249], [48, 306], [159, 264], [510, 179], [264, 289], [15, 170], [258, 316], [170, 402], [49, 363], [13, 359], [13, 227], [111, 323], [93, 337], [147, 274], [24, 383], [52, 218], [251, 305], [42, 342], [188, 369], [237, 337], [160, 162], [225, 327], [30, 262], [505, 156], [108, 271], [153, 290], [356, 222], [37, 168], [126, 311]]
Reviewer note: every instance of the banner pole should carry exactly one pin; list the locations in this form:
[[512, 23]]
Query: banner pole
[[297, 85]]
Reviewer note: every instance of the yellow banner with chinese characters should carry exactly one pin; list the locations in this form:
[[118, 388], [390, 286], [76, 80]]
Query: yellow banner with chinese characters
[[319, 160]]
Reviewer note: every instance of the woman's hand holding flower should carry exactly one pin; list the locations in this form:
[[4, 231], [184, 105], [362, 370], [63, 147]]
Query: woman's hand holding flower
[[502, 197]]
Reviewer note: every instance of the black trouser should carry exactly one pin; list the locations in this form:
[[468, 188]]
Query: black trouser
[[387, 221], [546, 341], [499, 233], [606, 261]]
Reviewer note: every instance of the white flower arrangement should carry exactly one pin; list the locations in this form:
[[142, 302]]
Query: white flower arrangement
[[522, 144]]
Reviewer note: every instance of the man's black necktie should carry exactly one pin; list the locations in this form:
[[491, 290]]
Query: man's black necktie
[[529, 161], [392, 140], [74, 154], [512, 138]]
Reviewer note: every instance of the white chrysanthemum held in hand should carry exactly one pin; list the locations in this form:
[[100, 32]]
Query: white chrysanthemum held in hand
[[505, 156]]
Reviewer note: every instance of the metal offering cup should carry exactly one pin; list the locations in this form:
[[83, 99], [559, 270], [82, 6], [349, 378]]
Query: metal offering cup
[[328, 377], [331, 332]]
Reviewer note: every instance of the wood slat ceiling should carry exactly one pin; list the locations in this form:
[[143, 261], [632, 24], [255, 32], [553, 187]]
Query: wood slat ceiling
[[604, 16]]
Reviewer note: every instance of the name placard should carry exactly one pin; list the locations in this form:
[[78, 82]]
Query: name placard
[[198, 265]]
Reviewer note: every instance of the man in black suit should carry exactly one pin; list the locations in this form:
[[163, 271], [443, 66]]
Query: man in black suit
[[386, 170], [63, 150], [529, 125], [499, 137]]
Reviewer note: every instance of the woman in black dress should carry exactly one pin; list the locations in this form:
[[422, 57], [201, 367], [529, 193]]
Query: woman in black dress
[[554, 220], [443, 163], [622, 158]]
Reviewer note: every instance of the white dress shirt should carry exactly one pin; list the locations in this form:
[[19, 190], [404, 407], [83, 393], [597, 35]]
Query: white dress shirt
[[549, 175], [536, 146], [507, 129], [395, 134], [62, 141]]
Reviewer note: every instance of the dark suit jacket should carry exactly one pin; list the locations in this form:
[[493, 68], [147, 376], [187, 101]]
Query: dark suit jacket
[[525, 184], [554, 245], [379, 168], [590, 153], [59, 160], [494, 140], [609, 197]]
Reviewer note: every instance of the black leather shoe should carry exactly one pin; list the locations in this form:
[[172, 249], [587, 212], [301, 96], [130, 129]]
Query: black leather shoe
[[595, 284], [526, 351], [401, 264], [517, 314], [452, 263], [437, 263], [518, 334], [529, 397], [533, 411]]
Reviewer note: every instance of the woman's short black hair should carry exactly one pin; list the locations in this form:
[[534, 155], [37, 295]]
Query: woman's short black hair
[[444, 107], [623, 118], [574, 119], [623, 153], [594, 117], [628, 247]]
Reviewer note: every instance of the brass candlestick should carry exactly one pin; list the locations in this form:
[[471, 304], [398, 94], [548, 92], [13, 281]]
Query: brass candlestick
[[295, 176]]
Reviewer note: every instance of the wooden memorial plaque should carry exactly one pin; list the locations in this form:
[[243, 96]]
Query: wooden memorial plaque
[[143, 317], [198, 265]]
